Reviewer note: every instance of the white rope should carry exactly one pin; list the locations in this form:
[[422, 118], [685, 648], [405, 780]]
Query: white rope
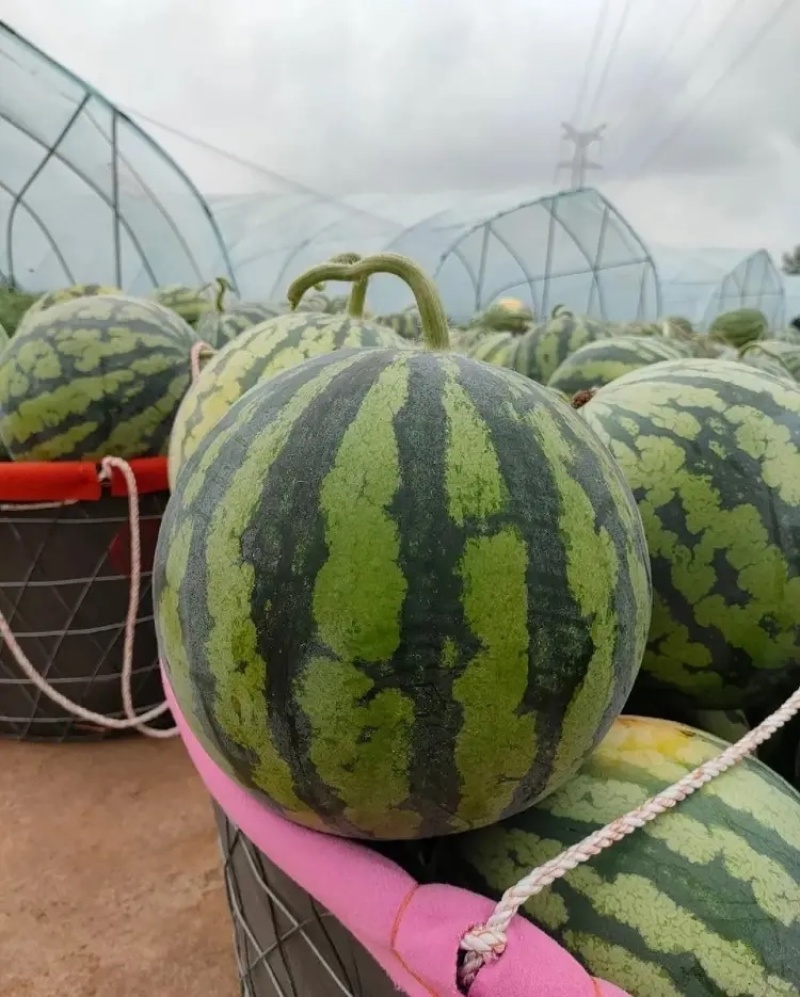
[[486, 942], [132, 720]]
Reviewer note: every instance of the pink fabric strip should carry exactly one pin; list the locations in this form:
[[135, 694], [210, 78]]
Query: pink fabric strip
[[412, 931]]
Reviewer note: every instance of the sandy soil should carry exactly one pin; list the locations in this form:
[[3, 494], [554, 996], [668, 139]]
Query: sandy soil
[[110, 882]]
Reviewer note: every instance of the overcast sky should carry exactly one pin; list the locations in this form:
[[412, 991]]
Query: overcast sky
[[434, 94]]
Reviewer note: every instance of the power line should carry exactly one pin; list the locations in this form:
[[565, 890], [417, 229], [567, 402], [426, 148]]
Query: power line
[[645, 87], [610, 58], [298, 188], [599, 28], [744, 53]]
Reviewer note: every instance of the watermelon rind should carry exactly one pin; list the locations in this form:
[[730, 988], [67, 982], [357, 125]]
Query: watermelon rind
[[711, 451], [703, 901], [94, 377], [420, 592]]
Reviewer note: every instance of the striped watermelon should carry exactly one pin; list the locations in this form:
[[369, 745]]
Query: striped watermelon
[[497, 348], [543, 349], [92, 377], [704, 901], [791, 334], [260, 352], [400, 593], [217, 328], [406, 324], [711, 450], [63, 294], [775, 356], [190, 303], [604, 360], [738, 327]]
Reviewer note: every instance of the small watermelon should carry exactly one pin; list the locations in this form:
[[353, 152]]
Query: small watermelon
[[92, 377], [703, 901], [497, 348], [743, 325], [604, 360], [711, 450], [775, 356], [63, 294], [190, 303], [218, 328], [543, 349], [406, 324], [506, 315], [400, 593]]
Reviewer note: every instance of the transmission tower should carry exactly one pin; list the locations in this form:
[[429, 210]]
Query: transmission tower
[[580, 161]]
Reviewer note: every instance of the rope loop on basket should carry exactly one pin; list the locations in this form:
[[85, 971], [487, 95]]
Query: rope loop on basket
[[132, 719], [484, 943]]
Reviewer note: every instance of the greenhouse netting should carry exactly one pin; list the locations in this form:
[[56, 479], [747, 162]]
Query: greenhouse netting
[[570, 248], [85, 195], [701, 283]]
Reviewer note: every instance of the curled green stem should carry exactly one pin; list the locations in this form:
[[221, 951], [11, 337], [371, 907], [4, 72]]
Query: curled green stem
[[429, 305], [222, 287]]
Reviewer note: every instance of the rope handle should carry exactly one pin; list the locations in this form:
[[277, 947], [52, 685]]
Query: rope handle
[[484, 943], [132, 719]]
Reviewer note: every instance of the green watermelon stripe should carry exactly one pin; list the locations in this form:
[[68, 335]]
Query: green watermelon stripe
[[266, 348], [337, 635], [756, 626], [94, 377], [235, 668], [701, 902]]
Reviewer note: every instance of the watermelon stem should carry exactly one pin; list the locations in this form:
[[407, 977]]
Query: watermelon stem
[[431, 312], [222, 288]]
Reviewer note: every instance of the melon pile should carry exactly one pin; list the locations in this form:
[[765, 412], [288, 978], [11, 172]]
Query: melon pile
[[469, 594]]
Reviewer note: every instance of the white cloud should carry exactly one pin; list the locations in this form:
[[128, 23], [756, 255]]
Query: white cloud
[[426, 94]]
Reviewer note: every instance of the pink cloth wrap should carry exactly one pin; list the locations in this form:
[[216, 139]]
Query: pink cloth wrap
[[412, 931]]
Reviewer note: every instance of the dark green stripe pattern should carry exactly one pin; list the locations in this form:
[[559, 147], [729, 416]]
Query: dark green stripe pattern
[[711, 450], [604, 360], [219, 328], [401, 593], [92, 377], [542, 350], [704, 901], [262, 351]]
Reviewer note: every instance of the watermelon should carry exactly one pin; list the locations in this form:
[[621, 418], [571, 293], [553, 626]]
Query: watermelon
[[603, 360], [406, 324], [260, 352], [743, 325], [711, 450], [775, 356], [496, 348], [190, 303], [703, 901], [217, 328], [545, 347], [506, 315], [62, 294], [400, 593], [92, 377]]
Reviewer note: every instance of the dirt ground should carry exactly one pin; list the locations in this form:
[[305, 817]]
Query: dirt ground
[[110, 877]]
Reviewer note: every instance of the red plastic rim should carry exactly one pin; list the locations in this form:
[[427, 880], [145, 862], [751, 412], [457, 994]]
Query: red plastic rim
[[76, 481]]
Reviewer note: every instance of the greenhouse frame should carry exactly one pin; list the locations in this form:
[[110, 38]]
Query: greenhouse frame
[[571, 248], [85, 195], [701, 283]]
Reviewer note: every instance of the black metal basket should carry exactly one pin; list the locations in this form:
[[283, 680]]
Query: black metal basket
[[288, 945], [65, 576]]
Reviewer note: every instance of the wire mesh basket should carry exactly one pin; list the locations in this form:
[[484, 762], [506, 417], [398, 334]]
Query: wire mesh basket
[[287, 944], [65, 592]]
